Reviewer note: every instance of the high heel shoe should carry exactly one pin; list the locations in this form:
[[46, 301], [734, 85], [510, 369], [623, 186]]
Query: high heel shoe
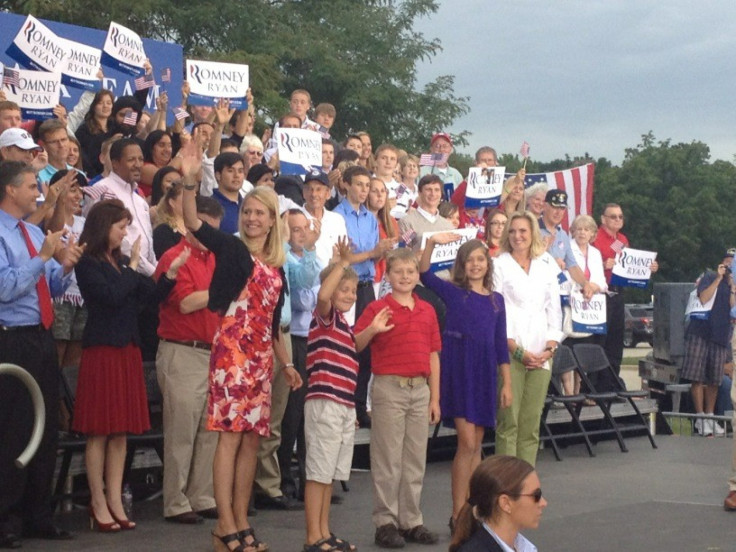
[[125, 524], [254, 543], [112, 527], [221, 542]]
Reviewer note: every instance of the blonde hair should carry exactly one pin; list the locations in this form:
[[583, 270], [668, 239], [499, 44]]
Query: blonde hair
[[521, 207], [537, 247], [164, 213], [401, 255], [273, 253], [584, 221]]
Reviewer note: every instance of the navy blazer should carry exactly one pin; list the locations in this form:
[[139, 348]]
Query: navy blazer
[[481, 541]]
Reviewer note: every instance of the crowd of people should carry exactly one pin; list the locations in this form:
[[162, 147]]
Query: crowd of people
[[282, 311]]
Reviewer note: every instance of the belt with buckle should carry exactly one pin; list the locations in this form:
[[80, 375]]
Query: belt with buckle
[[195, 344], [411, 382], [31, 328]]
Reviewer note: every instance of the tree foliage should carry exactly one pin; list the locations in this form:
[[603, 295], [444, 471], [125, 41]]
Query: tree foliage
[[359, 55]]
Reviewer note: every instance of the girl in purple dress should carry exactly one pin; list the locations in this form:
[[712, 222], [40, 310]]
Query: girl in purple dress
[[474, 351]]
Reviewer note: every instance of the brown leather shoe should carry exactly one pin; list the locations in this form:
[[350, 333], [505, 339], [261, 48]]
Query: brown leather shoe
[[730, 503], [187, 518]]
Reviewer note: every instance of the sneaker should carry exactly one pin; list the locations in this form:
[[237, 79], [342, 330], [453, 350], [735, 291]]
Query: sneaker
[[718, 430], [707, 430], [698, 427], [388, 536]]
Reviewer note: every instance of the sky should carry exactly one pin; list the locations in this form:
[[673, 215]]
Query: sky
[[588, 76]]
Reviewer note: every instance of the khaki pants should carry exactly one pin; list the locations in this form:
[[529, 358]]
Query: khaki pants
[[189, 449], [399, 432], [268, 474], [517, 432]]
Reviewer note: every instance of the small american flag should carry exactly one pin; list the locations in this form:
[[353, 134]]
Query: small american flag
[[617, 246], [408, 236], [433, 159], [11, 76], [524, 150], [131, 118], [146, 81], [166, 75], [324, 132], [179, 113]]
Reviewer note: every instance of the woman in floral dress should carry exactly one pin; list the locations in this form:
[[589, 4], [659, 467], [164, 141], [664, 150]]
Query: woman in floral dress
[[247, 288]]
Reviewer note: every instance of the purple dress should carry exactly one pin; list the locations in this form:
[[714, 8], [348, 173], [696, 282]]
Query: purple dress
[[473, 346]]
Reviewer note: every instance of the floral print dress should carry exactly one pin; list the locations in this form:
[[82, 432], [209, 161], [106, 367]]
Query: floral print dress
[[241, 364]]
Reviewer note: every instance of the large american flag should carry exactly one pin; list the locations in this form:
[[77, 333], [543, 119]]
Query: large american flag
[[577, 182]]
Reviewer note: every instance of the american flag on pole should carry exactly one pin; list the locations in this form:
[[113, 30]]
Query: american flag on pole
[[179, 113], [524, 150], [408, 236], [618, 246], [577, 182], [166, 75], [131, 118], [146, 81], [11, 77], [433, 159]]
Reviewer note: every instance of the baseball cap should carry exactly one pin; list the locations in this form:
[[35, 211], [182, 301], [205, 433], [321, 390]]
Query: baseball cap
[[730, 252], [437, 135], [317, 176], [19, 138], [556, 198]]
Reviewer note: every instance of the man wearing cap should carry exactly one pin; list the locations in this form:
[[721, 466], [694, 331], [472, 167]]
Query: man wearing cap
[[17, 145], [558, 242], [442, 143], [610, 241], [316, 192]]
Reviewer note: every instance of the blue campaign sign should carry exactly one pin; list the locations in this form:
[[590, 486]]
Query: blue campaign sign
[[162, 55]]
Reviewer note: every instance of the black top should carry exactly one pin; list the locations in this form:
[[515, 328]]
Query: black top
[[480, 541], [164, 238], [113, 299], [233, 266]]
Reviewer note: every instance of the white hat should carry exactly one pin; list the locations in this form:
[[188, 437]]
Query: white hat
[[19, 138]]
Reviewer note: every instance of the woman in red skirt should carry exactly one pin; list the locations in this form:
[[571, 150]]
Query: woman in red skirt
[[111, 393]]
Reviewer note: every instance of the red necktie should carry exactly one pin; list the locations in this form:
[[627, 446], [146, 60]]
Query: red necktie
[[42, 287]]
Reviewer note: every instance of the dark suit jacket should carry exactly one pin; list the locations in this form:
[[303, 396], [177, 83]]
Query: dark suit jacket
[[481, 541]]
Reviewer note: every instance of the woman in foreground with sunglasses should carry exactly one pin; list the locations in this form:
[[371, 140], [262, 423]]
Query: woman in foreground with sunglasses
[[505, 497]]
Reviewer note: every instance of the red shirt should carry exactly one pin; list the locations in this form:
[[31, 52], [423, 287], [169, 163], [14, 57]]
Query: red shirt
[[405, 349], [195, 275], [382, 235], [603, 242]]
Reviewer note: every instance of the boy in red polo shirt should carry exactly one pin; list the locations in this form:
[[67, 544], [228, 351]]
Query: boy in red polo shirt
[[405, 397]]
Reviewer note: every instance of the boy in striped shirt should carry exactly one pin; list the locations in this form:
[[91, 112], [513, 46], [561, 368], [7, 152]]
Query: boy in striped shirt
[[405, 397], [329, 408]]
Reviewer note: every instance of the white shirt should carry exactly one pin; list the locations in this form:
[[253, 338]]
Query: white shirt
[[427, 215], [533, 312], [521, 543], [594, 262], [114, 187], [333, 228]]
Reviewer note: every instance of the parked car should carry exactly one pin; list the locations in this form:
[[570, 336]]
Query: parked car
[[638, 324]]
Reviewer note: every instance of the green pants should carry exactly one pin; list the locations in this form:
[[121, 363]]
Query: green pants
[[517, 430]]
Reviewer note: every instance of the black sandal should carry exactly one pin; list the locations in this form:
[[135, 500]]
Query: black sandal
[[255, 543], [341, 544], [317, 546], [227, 539]]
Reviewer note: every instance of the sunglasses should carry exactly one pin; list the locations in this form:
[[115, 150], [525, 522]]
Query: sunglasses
[[536, 495]]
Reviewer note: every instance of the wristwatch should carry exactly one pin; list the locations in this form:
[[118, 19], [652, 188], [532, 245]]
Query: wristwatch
[[552, 350]]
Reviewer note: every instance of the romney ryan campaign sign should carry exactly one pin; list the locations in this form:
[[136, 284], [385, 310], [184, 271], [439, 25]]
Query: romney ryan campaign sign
[[210, 80], [82, 56]]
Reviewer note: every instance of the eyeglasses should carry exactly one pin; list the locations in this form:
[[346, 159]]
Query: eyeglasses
[[536, 495], [254, 153], [615, 217]]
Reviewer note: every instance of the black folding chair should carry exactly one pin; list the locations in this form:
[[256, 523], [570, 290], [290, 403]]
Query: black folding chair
[[563, 363], [69, 442], [593, 359]]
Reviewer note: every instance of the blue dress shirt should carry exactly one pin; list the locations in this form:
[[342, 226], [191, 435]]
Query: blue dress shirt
[[19, 274], [362, 229]]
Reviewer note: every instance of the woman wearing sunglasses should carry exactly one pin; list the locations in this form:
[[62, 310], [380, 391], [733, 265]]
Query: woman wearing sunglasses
[[505, 497]]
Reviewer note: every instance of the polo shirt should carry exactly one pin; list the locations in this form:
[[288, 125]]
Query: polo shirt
[[603, 242], [229, 222], [332, 363], [447, 174], [560, 247], [405, 349], [194, 275], [362, 228], [45, 174]]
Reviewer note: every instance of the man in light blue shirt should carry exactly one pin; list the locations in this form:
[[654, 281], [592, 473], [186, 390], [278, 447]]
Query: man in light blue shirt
[[55, 140]]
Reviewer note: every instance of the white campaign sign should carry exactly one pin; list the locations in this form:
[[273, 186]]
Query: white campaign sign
[[37, 47], [81, 65], [123, 50], [484, 187], [443, 256], [695, 310], [588, 316], [633, 268], [299, 150], [210, 80], [37, 94]]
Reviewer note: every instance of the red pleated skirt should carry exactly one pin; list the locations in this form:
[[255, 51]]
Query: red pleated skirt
[[111, 392]]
